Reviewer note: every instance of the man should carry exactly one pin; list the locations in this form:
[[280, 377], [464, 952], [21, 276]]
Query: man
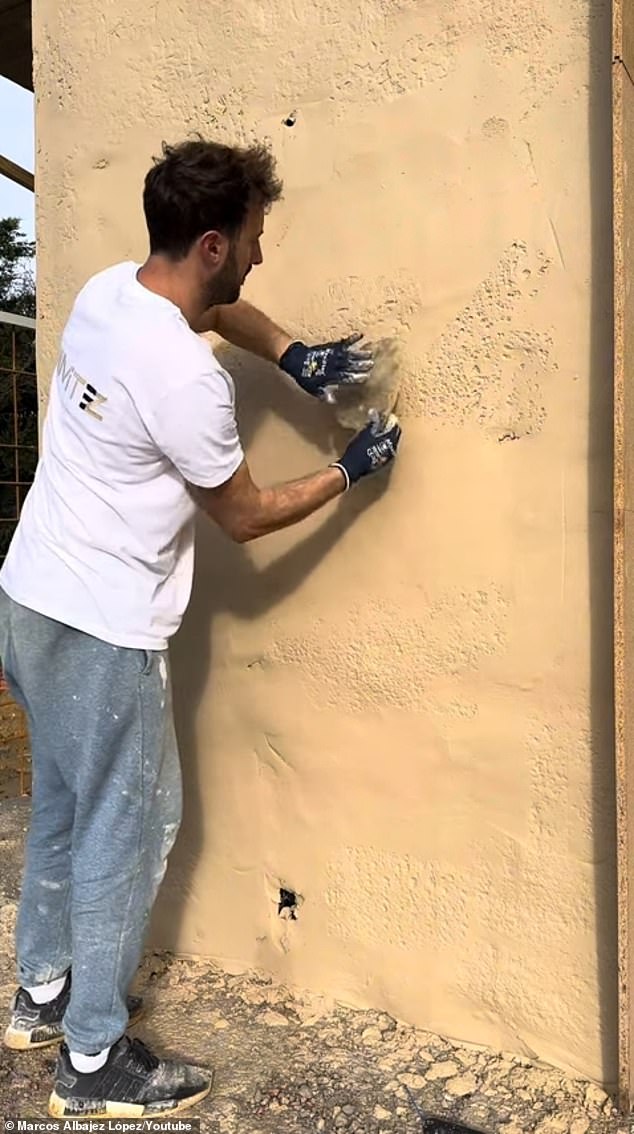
[[140, 429]]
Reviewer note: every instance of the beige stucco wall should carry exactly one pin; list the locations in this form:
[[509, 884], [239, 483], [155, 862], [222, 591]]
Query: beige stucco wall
[[401, 709]]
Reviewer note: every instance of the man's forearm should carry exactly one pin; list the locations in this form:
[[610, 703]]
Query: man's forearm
[[286, 504], [246, 512], [244, 326]]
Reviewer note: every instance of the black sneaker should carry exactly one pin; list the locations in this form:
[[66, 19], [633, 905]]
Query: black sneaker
[[38, 1025], [132, 1083]]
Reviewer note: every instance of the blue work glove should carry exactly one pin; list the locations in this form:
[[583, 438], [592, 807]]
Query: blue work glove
[[328, 364], [373, 448]]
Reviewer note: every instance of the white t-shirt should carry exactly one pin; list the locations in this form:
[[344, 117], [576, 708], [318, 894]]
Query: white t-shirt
[[138, 406]]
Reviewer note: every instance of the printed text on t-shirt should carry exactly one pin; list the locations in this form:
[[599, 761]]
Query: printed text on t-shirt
[[88, 397]]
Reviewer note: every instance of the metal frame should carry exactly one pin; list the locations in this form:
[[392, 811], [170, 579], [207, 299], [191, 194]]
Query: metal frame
[[14, 373], [15, 767]]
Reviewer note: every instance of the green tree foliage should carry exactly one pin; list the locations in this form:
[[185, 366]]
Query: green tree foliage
[[17, 287], [18, 386]]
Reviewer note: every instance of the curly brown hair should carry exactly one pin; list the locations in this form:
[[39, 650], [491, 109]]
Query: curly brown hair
[[198, 186]]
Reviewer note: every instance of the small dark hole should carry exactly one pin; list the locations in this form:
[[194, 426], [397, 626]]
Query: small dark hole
[[288, 901], [291, 119]]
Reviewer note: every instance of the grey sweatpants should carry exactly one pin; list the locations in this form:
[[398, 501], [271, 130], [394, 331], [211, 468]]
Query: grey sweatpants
[[105, 812]]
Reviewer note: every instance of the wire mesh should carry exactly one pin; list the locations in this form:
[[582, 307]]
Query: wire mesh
[[18, 460]]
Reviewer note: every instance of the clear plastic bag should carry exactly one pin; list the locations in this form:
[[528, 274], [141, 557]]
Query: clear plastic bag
[[353, 404]]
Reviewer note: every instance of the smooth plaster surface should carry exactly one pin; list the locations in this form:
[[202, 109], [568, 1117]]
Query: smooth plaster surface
[[401, 710]]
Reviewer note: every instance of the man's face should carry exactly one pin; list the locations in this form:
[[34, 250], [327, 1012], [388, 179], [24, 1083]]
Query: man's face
[[244, 252], [247, 243]]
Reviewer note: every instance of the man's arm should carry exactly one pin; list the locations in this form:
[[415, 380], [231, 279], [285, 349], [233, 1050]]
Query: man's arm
[[244, 326], [314, 368], [246, 512]]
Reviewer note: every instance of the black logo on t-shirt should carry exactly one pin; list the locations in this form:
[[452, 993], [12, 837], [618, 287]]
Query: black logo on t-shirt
[[89, 398]]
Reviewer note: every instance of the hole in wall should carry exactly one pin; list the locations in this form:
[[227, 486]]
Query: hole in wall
[[288, 901], [290, 119]]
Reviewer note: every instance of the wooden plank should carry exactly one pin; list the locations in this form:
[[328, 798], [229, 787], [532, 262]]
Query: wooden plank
[[16, 52], [19, 69], [623, 134], [17, 320], [624, 34], [16, 173]]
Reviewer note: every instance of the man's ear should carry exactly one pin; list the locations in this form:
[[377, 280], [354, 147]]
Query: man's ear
[[215, 248]]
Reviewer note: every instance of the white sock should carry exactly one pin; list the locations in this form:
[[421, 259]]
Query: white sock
[[87, 1063], [44, 993]]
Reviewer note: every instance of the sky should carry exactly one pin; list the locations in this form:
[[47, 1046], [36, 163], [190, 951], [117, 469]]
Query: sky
[[17, 143]]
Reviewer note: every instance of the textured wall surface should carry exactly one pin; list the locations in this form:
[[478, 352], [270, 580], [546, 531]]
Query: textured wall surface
[[401, 710]]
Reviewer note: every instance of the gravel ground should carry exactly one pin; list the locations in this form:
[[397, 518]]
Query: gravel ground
[[290, 1063], [15, 772]]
